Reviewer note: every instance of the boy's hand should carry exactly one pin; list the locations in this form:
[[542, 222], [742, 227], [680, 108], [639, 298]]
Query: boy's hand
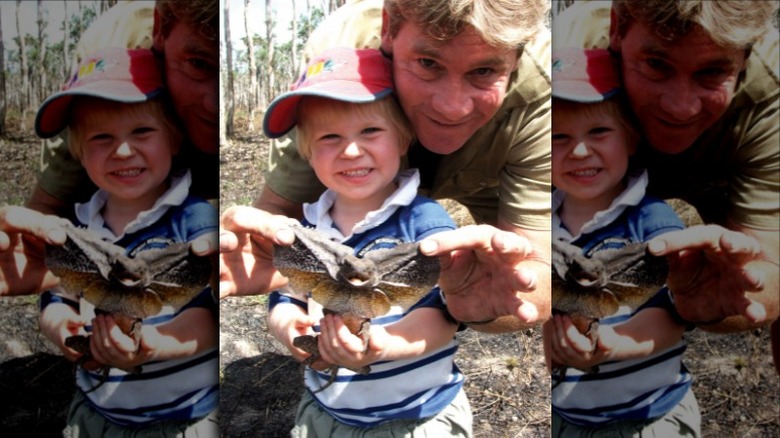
[[339, 346], [58, 322], [246, 240], [569, 347], [109, 345]]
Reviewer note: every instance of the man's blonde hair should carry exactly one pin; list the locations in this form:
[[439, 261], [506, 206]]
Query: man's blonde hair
[[100, 109], [500, 23], [730, 23], [388, 108]]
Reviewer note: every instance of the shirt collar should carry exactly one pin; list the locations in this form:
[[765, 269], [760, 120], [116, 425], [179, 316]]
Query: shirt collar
[[318, 213], [89, 213], [630, 197]]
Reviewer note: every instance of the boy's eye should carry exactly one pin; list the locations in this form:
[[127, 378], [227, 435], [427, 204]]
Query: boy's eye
[[371, 130], [100, 137], [143, 130], [601, 130]]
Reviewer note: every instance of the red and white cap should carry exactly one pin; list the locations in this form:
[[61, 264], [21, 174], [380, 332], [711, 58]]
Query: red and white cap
[[584, 75], [349, 75], [118, 74]]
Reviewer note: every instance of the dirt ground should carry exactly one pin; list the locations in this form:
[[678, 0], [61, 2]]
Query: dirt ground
[[507, 384]]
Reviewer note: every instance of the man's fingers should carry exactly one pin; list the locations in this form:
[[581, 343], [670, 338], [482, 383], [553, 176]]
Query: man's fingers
[[250, 220], [705, 237], [205, 245], [468, 237], [755, 312], [15, 219]]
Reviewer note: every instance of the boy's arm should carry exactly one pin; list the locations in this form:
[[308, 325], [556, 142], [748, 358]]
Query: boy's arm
[[402, 339], [192, 331], [649, 331], [286, 321], [57, 322]]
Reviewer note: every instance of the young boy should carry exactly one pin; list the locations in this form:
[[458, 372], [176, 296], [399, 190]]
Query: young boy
[[641, 383], [353, 133], [123, 133]]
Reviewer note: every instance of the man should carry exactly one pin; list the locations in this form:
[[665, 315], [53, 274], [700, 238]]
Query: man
[[185, 34], [702, 80], [474, 85]]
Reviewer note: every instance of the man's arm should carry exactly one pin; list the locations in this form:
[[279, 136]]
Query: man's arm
[[717, 273], [494, 280], [246, 239]]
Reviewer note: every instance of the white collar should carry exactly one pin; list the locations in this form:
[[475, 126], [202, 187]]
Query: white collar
[[318, 213], [89, 213], [631, 196]]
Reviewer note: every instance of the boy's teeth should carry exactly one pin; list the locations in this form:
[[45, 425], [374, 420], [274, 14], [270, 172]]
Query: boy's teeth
[[360, 172], [589, 172], [131, 172]]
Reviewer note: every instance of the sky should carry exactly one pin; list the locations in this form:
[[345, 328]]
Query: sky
[[54, 12], [282, 11]]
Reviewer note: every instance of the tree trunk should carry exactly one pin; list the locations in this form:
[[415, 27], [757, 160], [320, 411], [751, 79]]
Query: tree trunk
[[65, 43], [269, 69], [43, 82], [252, 100], [2, 82], [231, 104], [24, 101], [294, 43]]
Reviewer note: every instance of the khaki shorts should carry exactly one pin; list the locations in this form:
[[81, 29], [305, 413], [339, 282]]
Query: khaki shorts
[[682, 421], [454, 421], [84, 422]]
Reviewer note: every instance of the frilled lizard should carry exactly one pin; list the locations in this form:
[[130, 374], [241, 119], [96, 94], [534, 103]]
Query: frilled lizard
[[590, 288], [356, 288], [127, 288]]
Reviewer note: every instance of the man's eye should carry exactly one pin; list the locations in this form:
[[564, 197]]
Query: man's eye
[[484, 71], [199, 68], [427, 62]]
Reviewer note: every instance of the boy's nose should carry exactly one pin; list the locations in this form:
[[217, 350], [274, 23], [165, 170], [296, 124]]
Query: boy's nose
[[124, 150], [580, 151], [352, 150]]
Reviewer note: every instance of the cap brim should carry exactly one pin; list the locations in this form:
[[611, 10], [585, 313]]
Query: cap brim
[[280, 117], [579, 91], [52, 116]]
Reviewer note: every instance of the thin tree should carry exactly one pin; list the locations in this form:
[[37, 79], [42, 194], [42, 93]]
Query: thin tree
[[294, 42], [41, 64], [65, 42], [2, 82], [269, 36], [252, 100], [24, 101], [231, 100]]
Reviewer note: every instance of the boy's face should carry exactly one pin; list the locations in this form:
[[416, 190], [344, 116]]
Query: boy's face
[[448, 90], [356, 154], [589, 155], [127, 154]]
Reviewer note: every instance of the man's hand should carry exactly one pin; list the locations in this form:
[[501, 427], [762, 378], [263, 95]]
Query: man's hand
[[24, 234], [485, 276], [713, 273], [246, 240]]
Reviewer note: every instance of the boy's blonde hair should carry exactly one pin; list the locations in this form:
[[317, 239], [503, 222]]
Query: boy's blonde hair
[[388, 108], [615, 107], [100, 109]]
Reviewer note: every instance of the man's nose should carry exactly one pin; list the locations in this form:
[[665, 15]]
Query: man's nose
[[680, 100]]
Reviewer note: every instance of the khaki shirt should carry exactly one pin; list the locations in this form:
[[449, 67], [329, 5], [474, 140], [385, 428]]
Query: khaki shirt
[[732, 172], [503, 170], [127, 24]]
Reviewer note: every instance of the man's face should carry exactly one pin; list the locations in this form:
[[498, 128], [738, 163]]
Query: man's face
[[448, 89], [191, 65], [677, 89]]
